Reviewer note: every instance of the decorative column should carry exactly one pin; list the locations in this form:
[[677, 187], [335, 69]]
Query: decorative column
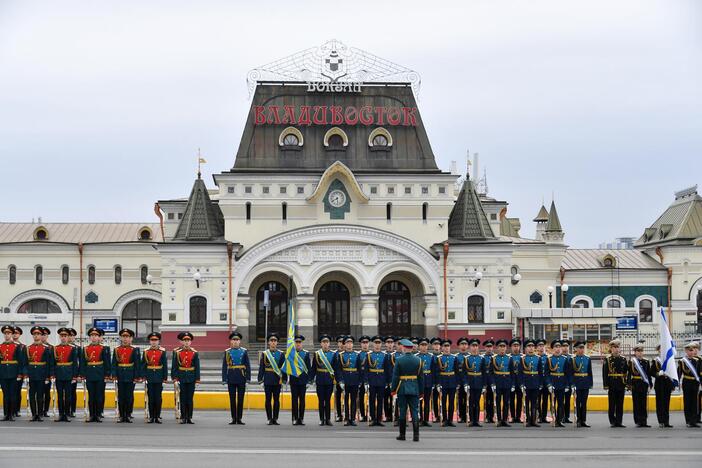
[[241, 319], [369, 314], [431, 314], [305, 316]]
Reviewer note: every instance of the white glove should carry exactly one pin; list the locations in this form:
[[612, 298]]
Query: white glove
[[512, 388], [341, 385], [493, 388], [523, 388], [550, 388], [224, 383], [661, 373], [438, 387], [367, 387], [567, 389], [465, 388]]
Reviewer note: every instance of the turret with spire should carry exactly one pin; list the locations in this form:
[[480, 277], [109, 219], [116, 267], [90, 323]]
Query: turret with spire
[[554, 232], [541, 219]]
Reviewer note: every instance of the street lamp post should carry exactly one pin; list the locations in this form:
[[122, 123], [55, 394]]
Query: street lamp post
[[550, 296], [564, 294]]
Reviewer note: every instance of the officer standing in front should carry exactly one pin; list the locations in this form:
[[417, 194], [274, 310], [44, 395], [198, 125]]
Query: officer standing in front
[[236, 372], [298, 385], [154, 369], [614, 372], [323, 372], [271, 375], [407, 380], [663, 387], [126, 372], [185, 369]]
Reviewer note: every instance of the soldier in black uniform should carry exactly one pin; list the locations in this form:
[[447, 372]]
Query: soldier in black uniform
[[663, 387], [689, 369], [461, 393], [639, 380], [614, 372], [435, 394]]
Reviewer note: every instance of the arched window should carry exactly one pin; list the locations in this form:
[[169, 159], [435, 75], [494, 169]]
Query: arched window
[[476, 309], [646, 311], [38, 274], [248, 211], [395, 309], [333, 309], [614, 303], [425, 209], [198, 310], [144, 270], [118, 274], [13, 274], [581, 304], [388, 211], [335, 139], [64, 274], [380, 140], [143, 316], [145, 234], [290, 139], [39, 306], [91, 274], [335, 142], [285, 211], [41, 234]]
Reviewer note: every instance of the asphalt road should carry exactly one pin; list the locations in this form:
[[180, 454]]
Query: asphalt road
[[211, 442]]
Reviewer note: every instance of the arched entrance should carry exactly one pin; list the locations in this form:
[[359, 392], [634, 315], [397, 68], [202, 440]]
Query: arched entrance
[[277, 310], [395, 309], [143, 316], [333, 309]]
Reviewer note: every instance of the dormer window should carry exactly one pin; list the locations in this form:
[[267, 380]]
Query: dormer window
[[380, 140], [41, 234], [290, 139], [144, 234], [609, 261]]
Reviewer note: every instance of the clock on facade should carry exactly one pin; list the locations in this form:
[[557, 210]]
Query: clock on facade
[[337, 198]]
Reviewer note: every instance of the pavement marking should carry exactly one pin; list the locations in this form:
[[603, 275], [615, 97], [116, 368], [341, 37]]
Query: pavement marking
[[262, 451]]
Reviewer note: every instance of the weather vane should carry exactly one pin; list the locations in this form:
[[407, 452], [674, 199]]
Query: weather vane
[[200, 161]]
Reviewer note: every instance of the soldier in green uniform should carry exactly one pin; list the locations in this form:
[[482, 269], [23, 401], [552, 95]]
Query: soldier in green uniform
[[47, 386], [39, 367], [126, 372], [17, 333], [154, 370], [407, 380], [74, 384], [66, 372], [10, 372], [185, 369], [95, 369]]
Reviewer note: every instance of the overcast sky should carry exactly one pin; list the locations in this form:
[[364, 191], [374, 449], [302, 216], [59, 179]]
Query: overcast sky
[[104, 104]]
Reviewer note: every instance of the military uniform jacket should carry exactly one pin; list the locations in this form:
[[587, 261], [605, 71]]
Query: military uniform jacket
[[376, 369], [125, 363], [40, 362], [531, 371], [67, 362], [318, 371], [267, 370], [580, 369], [430, 369], [473, 371], [687, 377], [557, 372], [95, 362], [449, 369], [11, 361], [351, 368], [408, 375], [185, 365], [154, 365], [661, 382], [614, 373], [305, 376], [637, 381], [236, 368], [502, 372]]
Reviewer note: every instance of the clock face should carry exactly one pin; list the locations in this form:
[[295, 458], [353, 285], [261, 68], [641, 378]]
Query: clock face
[[337, 198]]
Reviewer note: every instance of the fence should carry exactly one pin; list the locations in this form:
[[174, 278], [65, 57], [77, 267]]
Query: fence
[[651, 340]]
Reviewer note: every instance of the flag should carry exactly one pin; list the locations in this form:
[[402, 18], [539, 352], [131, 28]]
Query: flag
[[293, 365], [668, 352], [202, 160]]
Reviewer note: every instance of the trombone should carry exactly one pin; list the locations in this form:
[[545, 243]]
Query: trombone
[[176, 396]]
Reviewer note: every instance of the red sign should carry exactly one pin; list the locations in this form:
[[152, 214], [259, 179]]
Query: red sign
[[335, 115]]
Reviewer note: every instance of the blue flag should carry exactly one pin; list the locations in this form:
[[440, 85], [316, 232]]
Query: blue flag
[[294, 364]]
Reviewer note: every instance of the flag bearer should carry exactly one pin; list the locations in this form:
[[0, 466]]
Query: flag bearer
[[663, 387]]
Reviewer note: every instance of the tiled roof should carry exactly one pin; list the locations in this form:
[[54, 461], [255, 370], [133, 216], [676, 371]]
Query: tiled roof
[[78, 232], [592, 259], [680, 222], [202, 220], [468, 221]]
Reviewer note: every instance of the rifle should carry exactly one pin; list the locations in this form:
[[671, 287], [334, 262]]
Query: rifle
[[176, 397], [147, 414], [53, 401], [117, 415], [86, 409]]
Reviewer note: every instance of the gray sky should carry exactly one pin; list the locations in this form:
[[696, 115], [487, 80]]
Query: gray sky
[[103, 105]]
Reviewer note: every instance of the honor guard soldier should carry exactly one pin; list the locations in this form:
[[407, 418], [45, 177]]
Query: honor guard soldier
[[364, 340], [689, 369], [407, 382], [557, 375], [614, 375], [474, 380], [95, 369], [489, 393], [185, 369], [16, 335], [390, 356], [39, 369], [126, 372], [544, 394], [516, 398], [430, 370], [45, 332], [66, 358], [11, 368], [436, 351], [531, 380], [663, 387], [502, 379], [154, 370], [581, 382], [449, 368], [298, 385], [376, 377], [74, 385], [565, 352], [323, 371], [236, 373], [338, 391], [640, 382], [351, 371], [270, 374], [462, 392]]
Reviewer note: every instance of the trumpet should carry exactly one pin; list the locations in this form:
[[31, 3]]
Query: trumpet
[[176, 396]]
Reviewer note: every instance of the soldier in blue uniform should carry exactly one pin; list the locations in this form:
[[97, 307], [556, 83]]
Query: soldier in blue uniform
[[473, 370], [95, 369], [66, 359], [557, 376], [377, 377], [516, 397], [338, 391], [236, 372], [323, 370], [489, 401], [154, 369], [544, 394], [298, 385], [11, 368], [530, 379], [47, 386], [271, 375], [126, 371], [436, 351], [501, 375], [39, 367], [430, 369], [663, 387], [407, 382], [364, 341], [462, 402], [16, 336], [74, 385], [351, 372], [581, 380], [449, 370], [390, 356]]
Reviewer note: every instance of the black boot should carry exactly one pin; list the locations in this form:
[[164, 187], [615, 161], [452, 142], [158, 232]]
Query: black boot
[[403, 430], [415, 431]]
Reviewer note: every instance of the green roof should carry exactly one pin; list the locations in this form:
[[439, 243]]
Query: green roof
[[468, 220], [202, 220], [554, 223], [680, 222]]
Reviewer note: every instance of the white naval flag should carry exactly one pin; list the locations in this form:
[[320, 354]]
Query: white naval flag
[[668, 352]]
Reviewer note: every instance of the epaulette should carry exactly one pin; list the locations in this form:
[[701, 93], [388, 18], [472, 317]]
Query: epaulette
[[161, 348], [243, 348], [228, 349], [193, 350]]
